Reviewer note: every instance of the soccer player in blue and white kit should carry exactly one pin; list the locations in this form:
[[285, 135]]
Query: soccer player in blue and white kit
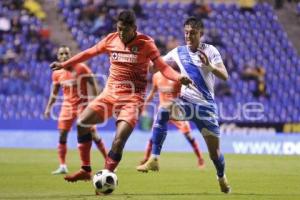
[[202, 63]]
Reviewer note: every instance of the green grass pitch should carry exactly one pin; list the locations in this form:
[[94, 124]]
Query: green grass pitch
[[25, 174]]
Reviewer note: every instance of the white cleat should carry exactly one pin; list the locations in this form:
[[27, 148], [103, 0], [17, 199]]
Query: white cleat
[[60, 170], [224, 185]]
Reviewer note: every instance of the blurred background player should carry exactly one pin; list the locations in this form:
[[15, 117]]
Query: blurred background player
[[168, 91], [202, 63], [123, 96], [75, 82]]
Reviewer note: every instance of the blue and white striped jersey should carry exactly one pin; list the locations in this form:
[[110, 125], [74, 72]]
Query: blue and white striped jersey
[[190, 65]]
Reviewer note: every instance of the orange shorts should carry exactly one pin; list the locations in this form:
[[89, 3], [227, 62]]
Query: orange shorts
[[126, 108], [65, 124], [183, 126], [68, 115]]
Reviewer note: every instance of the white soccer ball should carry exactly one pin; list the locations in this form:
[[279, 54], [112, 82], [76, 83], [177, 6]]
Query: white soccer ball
[[105, 182]]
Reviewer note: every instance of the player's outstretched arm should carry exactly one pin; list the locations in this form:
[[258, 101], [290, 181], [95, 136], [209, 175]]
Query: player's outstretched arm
[[170, 73], [80, 57], [51, 100], [218, 70]]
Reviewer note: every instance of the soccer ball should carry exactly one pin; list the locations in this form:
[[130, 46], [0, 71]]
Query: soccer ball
[[105, 182]]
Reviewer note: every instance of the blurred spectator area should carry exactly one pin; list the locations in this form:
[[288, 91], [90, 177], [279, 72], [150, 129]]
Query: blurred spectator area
[[240, 35], [25, 54]]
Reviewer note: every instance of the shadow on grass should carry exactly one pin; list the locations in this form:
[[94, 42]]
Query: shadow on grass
[[84, 196]]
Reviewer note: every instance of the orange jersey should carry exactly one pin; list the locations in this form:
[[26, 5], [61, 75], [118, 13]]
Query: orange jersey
[[74, 83], [167, 89], [129, 63]]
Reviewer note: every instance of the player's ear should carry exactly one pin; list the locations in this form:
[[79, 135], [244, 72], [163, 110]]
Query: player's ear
[[134, 27], [201, 32]]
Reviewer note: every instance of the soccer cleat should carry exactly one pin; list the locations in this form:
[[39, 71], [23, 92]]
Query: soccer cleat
[[152, 164], [81, 175], [224, 186], [201, 163], [143, 161], [60, 170]]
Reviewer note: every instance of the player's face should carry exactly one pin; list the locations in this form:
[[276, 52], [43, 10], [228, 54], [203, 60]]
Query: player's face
[[192, 36], [126, 32], [63, 54]]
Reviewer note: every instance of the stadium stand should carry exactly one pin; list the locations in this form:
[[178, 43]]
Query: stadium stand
[[244, 37], [25, 56], [255, 37]]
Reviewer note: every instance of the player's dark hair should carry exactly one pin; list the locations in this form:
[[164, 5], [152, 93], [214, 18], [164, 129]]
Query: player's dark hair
[[194, 22], [127, 17]]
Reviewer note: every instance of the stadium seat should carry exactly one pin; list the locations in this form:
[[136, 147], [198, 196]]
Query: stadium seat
[[246, 36]]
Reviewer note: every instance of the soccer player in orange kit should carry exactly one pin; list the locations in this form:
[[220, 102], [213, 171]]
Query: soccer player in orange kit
[[168, 91], [75, 98], [123, 96]]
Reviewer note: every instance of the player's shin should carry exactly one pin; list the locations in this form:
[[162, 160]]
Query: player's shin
[[101, 147], [159, 131], [62, 152], [193, 142], [84, 147], [219, 165], [148, 150]]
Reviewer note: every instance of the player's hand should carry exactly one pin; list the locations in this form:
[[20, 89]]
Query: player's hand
[[47, 114], [184, 80], [55, 66], [204, 59]]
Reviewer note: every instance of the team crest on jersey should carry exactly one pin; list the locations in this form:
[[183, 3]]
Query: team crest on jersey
[[202, 46], [124, 57], [134, 49], [114, 56]]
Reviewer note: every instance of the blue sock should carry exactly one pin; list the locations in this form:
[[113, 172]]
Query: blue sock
[[159, 131], [220, 165]]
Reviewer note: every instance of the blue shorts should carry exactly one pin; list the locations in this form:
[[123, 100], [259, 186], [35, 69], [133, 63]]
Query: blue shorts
[[205, 117]]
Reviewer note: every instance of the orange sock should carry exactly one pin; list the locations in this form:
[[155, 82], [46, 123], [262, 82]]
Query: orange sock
[[110, 164], [62, 152], [84, 152], [148, 150], [101, 147], [196, 149], [112, 161]]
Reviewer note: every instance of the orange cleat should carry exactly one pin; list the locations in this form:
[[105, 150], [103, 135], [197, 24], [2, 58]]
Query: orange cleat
[[81, 175]]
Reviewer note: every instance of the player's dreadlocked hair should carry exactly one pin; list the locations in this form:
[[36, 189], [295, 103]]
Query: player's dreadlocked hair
[[194, 22], [127, 17]]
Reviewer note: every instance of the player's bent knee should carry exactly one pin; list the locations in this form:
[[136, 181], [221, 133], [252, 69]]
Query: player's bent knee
[[205, 132]]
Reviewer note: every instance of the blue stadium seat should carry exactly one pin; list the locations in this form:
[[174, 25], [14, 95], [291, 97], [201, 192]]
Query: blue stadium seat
[[246, 36]]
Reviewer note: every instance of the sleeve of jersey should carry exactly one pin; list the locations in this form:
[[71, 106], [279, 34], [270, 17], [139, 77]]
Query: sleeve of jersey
[[160, 64], [215, 56], [54, 78], [166, 70], [152, 51], [85, 69], [86, 54]]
